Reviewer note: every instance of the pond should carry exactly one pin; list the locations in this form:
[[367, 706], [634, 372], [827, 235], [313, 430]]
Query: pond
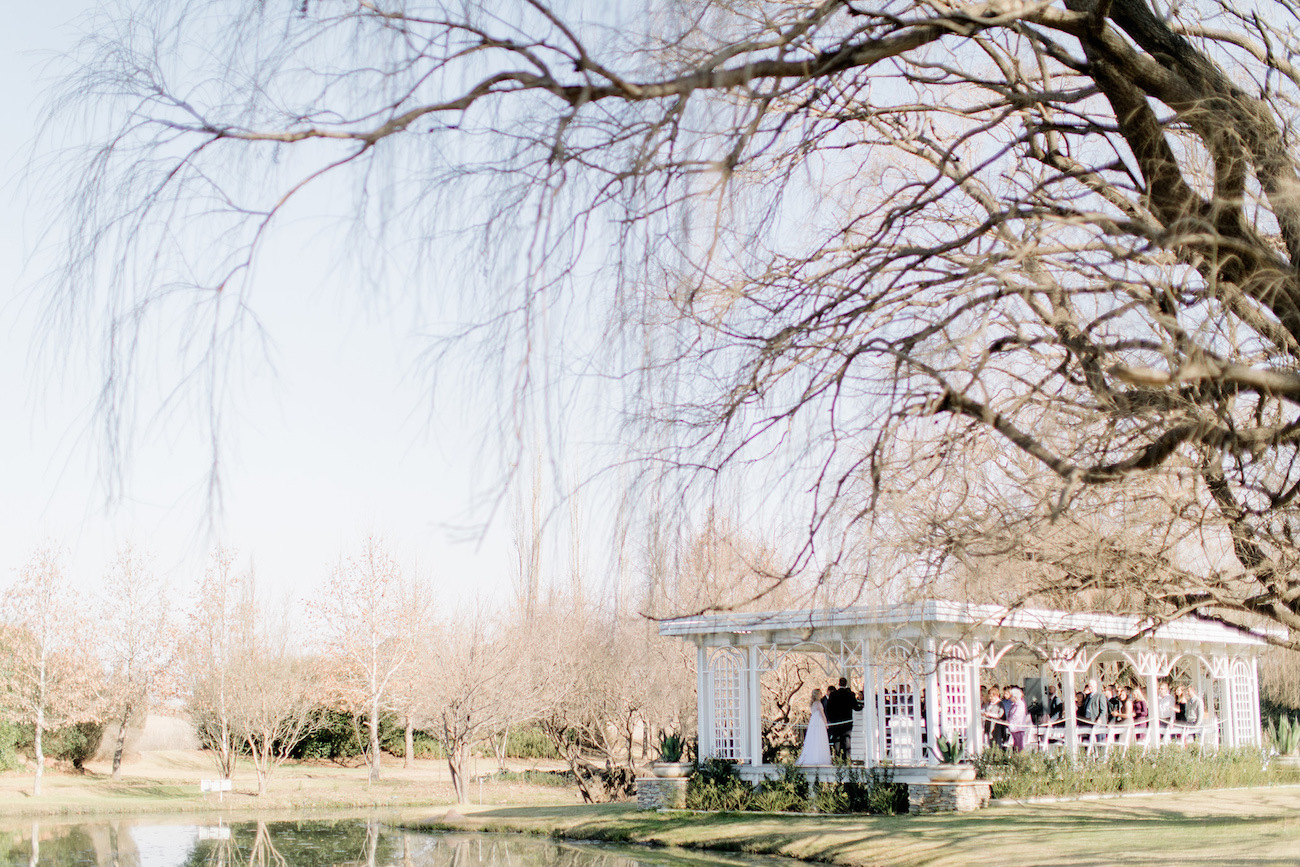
[[312, 843]]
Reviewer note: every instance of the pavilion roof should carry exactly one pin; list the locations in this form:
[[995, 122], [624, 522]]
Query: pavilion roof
[[948, 619]]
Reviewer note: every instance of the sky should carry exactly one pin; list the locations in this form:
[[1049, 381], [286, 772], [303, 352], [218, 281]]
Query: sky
[[333, 437]]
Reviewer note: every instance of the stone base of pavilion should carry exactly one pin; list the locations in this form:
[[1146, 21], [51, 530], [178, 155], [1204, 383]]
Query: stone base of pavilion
[[961, 797], [660, 793], [923, 796]]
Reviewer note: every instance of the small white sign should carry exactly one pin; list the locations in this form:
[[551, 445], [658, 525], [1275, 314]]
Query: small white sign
[[221, 832], [214, 785]]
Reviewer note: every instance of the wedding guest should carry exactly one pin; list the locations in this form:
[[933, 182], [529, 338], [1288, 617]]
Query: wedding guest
[[1018, 721], [1055, 707], [1140, 710], [994, 729], [1093, 710], [1166, 707]]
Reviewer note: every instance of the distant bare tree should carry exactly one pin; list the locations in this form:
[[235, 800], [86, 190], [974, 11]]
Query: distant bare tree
[[50, 678], [209, 652], [138, 640], [484, 676], [369, 627], [274, 690], [409, 694]]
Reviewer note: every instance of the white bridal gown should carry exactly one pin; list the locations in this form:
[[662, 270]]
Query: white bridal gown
[[816, 743]]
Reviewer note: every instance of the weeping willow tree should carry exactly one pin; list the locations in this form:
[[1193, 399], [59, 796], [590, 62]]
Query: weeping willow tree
[[942, 277]]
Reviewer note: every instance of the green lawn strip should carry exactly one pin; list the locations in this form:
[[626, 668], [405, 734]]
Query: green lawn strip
[[153, 796], [1252, 827]]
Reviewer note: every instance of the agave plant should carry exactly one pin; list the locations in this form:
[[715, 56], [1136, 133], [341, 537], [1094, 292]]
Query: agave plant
[[671, 747], [1284, 735], [951, 749]]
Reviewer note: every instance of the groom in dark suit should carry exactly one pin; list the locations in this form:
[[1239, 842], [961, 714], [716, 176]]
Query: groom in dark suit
[[840, 705]]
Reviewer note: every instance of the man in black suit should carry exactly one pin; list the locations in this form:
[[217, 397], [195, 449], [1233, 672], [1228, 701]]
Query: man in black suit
[[840, 706]]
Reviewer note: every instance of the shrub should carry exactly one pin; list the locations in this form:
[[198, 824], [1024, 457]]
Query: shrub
[[1169, 768], [536, 778], [529, 742], [787, 793], [74, 743], [715, 785], [8, 745], [335, 737]]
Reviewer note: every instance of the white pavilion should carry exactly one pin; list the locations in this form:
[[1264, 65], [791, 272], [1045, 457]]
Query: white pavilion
[[920, 667]]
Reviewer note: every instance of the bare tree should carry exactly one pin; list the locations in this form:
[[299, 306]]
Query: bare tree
[[137, 638], [273, 690], [49, 679], [409, 694], [208, 655], [848, 235], [369, 626], [472, 680]]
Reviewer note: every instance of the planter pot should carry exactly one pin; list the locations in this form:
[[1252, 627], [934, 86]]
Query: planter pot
[[1289, 762], [952, 773], [672, 770]]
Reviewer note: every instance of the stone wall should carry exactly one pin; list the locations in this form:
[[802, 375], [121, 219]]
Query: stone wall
[[658, 793], [947, 797]]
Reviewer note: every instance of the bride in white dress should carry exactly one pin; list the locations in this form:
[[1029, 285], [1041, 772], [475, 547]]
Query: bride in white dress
[[816, 743]]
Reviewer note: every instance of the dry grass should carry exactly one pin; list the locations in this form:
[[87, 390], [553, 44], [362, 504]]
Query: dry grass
[[168, 781]]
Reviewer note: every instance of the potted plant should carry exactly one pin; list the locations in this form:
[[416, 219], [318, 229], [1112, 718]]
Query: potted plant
[[950, 768], [1284, 735], [670, 764]]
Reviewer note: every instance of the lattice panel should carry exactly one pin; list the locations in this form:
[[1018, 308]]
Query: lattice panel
[[955, 709], [1243, 703], [727, 668]]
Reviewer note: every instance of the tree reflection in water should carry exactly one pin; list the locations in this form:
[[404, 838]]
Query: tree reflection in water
[[308, 843]]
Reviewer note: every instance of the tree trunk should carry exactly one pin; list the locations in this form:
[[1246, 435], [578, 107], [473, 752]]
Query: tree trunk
[[120, 746], [456, 764], [372, 843], [39, 729], [409, 761], [374, 741], [499, 746]]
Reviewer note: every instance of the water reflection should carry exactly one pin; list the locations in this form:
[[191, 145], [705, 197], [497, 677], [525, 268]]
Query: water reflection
[[308, 843]]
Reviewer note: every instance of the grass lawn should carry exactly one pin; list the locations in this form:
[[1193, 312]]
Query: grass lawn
[[168, 782], [1254, 827]]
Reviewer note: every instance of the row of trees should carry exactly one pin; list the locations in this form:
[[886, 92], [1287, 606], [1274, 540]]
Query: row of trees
[[257, 677]]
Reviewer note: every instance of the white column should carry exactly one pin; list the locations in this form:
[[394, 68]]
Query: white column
[[703, 703], [932, 698], [754, 717], [1153, 716], [974, 731], [1227, 702], [1071, 717], [1257, 734], [870, 710]]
